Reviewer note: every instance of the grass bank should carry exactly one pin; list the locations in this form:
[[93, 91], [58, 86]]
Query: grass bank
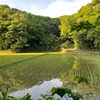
[[63, 51]]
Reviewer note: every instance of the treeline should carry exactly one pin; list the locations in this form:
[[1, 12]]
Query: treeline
[[83, 27], [22, 31]]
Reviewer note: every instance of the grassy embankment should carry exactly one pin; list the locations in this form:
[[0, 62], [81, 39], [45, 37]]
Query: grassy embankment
[[63, 51]]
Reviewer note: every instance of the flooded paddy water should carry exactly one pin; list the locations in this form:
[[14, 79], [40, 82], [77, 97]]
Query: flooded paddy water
[[37, 74]]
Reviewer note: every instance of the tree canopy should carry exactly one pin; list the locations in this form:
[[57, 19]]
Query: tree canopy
[[22, 31], [83, 27]]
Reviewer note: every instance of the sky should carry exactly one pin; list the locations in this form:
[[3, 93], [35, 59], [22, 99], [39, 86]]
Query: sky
[[51, 8]]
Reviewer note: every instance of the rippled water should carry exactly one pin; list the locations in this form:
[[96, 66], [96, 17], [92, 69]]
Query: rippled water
[[36, 90]]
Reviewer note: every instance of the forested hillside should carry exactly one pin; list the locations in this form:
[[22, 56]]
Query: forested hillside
[[83, 27], [22, 31]]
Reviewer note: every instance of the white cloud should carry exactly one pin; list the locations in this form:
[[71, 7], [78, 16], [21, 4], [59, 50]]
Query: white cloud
[[62, 7], [52, 8], [25, 6]]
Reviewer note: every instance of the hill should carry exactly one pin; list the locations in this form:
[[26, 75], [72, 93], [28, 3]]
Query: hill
[[83, 28], [21, 31]]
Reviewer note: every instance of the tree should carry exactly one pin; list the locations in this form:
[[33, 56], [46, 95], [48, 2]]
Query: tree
[[21, 30], [95, 1]]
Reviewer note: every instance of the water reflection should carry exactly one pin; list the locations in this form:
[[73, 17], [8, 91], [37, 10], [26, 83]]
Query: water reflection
[[63, 67], [36, 90]]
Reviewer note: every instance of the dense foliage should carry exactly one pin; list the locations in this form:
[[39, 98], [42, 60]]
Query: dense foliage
[[22, 31], [83, 27]]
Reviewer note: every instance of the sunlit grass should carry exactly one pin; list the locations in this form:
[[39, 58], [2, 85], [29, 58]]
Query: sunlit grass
[[12, 53]]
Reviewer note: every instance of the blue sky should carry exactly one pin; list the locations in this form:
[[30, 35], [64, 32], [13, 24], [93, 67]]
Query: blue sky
[[51, 8]]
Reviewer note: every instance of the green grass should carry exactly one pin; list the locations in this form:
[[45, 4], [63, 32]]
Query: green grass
[[25, 70]]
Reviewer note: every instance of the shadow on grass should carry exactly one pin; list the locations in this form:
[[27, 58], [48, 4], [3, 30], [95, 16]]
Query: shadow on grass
[[1, 67]]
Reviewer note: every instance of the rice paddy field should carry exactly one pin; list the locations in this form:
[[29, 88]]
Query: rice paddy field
[[22, 71]]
